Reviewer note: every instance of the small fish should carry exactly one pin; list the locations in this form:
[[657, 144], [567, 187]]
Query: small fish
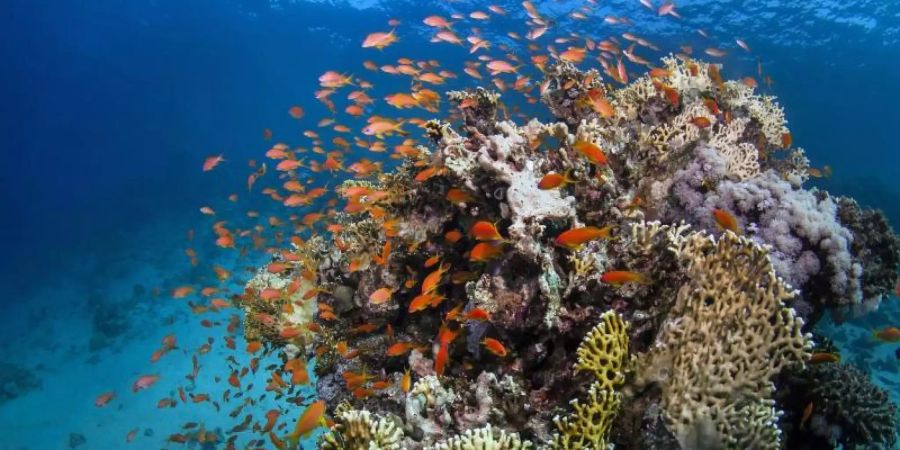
[[889, 334], [400, 348], [308, 421], [591, 151], [619, 277], [477, 314], [406, 381], [576, 237], [494, 346], [296, 112], [485, 231], [555, 180], [701, 122], [379, 40], [807, 412], [457, 196], [104, 398], [211, 162], [824, 357], [726, 221], [485, 251], [380, 296], [144, 382]]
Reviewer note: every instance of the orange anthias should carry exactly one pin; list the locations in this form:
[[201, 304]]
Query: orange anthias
[[494, 346], [618, 277], [591, 151], [554, 180], [726, 221], [485, 251], [576, 237], [485, 231], [889, 334]]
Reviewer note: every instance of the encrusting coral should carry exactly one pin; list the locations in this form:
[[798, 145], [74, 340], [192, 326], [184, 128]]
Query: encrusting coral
[[457, 296]]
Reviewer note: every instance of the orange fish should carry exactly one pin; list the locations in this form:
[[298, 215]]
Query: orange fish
[[354, 380], [440, 360], [554, 180], [308, 421], [144, 382], [807, 413], [576, 237], [453, 236], [889, 334], [591, 151], [296, 112], [379, 40], [211, 162], [485, 231], [786, 140], [477, 314], [406, 381], [726, 221], [618, 277], [701, 122], [494, 346], [182, 291], [380, 296], [426, 300], [401, 348], [824, 357], [456, 196], [104, 398], [485, 251], [434, 278]]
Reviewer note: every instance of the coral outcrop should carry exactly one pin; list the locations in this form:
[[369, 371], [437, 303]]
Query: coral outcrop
[[453, 302]]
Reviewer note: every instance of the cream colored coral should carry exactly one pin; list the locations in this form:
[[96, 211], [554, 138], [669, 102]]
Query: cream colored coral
[[362, 430], [763, 109], [741, 158], [728, 335], [485, 438]]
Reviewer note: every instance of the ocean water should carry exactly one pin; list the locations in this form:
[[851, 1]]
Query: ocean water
[[109, 109]]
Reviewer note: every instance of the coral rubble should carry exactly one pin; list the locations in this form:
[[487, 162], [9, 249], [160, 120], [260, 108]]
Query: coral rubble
[[614, 308]]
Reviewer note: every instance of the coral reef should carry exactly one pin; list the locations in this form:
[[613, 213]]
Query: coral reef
[[15, 381], [847, 409], [454, 301]]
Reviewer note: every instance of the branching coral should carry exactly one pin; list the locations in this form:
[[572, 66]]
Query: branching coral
[[361, 430], [485, 438], [603, 353], [728, 334]]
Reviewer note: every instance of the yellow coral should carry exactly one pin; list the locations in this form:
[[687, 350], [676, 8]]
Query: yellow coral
[[587, 426], [603, 351]]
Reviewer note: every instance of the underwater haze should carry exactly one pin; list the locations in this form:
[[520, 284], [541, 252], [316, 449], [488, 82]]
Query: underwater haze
[[233, 224]]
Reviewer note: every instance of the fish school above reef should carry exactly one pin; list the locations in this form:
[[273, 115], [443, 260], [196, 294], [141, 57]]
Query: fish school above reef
[[641, 272]]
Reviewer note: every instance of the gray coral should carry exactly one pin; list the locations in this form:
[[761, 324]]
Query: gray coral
[[849, 408]]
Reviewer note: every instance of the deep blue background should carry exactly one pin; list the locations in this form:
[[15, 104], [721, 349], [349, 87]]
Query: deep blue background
[[107, 108]]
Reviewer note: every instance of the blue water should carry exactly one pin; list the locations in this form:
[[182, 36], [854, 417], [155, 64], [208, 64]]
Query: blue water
[[108, 108]]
